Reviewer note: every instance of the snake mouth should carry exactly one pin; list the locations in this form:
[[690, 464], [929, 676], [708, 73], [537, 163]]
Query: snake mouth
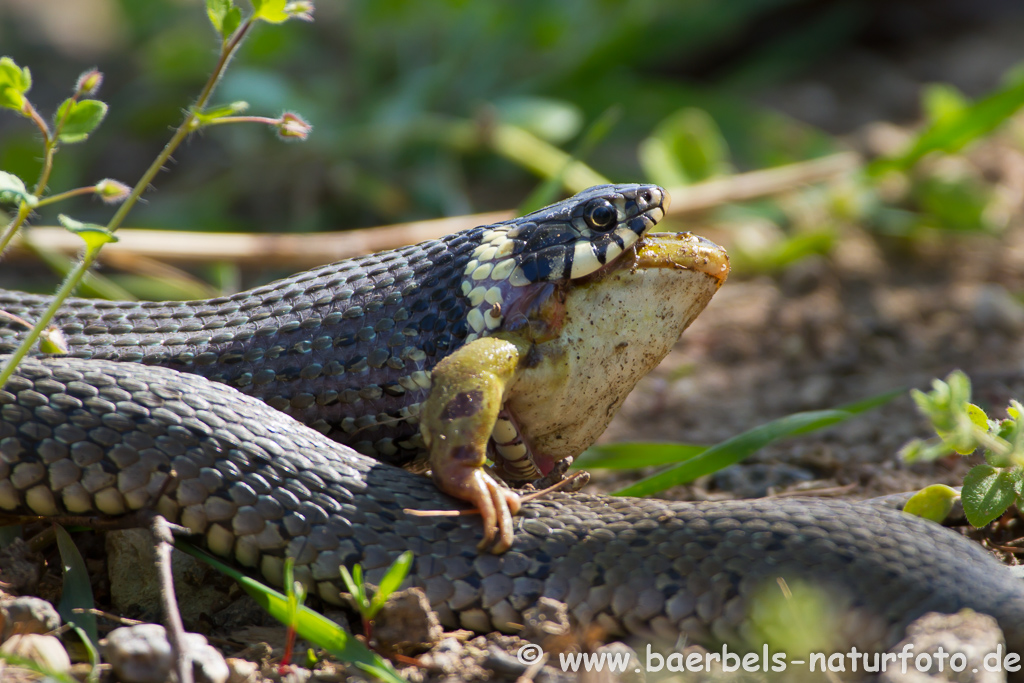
[[682, 250], [671, 250], [599, 334]]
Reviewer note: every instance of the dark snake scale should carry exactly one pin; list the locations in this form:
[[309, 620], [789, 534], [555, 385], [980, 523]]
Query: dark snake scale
[[93, 436]]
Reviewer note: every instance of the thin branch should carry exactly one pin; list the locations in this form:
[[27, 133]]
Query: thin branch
[[60, 196], [266, 120], [288, 250], [89, 257], [164, 542]]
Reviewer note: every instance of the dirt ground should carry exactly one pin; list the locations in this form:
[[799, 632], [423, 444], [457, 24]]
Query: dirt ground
[[872, 318]]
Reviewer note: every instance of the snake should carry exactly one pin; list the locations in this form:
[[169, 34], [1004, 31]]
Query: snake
[[295, 420]]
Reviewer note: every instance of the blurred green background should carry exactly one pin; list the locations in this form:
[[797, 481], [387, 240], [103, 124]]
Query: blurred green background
[[403, 94]]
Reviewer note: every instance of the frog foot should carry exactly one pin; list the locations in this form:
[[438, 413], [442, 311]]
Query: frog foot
[[495, 503]]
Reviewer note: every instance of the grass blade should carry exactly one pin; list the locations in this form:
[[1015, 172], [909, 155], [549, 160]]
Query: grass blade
[[77, 590], [314, 627], [393, 578], [547, 192], [953, 132], [739, 447], [633, 454]]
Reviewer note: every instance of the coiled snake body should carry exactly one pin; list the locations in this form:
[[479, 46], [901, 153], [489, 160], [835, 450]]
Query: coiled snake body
[[90, 435]]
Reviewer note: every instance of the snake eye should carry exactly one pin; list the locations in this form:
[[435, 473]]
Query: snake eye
[[600, 215]]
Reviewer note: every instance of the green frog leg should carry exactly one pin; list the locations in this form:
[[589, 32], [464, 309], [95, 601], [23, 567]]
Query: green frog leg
[[456, 421]]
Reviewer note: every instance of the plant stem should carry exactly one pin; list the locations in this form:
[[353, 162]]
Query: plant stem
[[79, 271], [44, 176], [183, 130], [60, 196], [242, 119], [66, 288], [993, 443], [12, 228], [49, 150], [31, 113]]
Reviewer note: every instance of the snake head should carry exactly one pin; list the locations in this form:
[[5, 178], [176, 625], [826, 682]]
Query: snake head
[[516, 262], [578, 236]]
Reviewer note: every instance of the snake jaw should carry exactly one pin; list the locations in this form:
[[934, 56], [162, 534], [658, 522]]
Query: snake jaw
[[560, 243]]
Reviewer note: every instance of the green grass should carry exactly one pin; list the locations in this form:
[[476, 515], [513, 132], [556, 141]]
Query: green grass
[[689, 462]]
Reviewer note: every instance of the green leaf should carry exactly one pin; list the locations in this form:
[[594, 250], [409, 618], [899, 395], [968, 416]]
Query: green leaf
[[14, 83], [94, 236], [314, 627], [224, 16], [45, 674], [737, 448], [220, 112], [77, 590], [13, 190], [632, 455], [556, 121], [11, 98], [685, 148], [82, 118], [978, 416], [932, 502], [295, 591], [782, 253], [943, 102], [793, 616], [271, 11], [988, 491], [355, 588], [231, 22], [392, 579], [917, 450], [13, 76], [956, 129], [216, 10], [52, 340]]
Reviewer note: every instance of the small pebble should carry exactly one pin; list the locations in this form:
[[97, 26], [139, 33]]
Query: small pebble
[[754, 480], [142, 654], [446, 657], [406, 624], [995, 308], [545, 619], [27, 615], [503, 663], [46, 651], [20, 567], [972, 635], [243, 671]]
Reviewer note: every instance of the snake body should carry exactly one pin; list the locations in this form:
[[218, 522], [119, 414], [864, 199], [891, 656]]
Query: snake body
[[91, 436], [99, 438], [348, 348]]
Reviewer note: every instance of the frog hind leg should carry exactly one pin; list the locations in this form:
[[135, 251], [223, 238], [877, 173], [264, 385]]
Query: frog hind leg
[[456, 421]]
